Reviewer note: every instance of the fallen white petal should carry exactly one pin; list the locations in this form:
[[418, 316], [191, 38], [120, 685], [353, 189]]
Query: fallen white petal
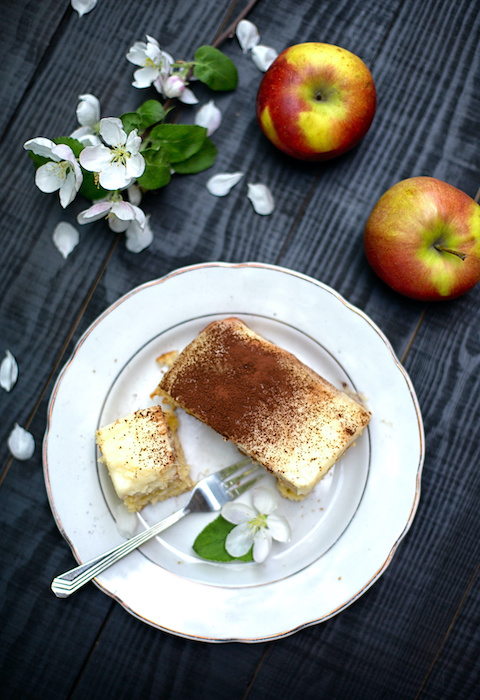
[[263, 56], [126, 521], [247, 35], [83, 6], [261, 198], [221, 184], [65, 238], [21, 443], [209, 116], [8, 372]]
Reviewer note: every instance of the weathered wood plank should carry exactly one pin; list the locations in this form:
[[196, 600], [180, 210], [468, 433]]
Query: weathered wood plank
[[426, 67]]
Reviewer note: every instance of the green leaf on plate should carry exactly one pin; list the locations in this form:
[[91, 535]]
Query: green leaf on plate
[[215, 69], [210, 543], [202, 160]]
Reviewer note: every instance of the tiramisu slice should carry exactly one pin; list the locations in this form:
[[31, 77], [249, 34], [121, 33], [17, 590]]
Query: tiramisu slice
[[144, 457], [272, 406]]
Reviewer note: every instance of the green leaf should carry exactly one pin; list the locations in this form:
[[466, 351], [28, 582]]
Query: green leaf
[[177, 141], [157, 171], [76, 145], [151, 112], [214, 69], [210, 543], [37, 160], [90, 188], [131, 121], [202, 160]]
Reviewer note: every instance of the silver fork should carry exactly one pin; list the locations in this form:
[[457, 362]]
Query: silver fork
[[209, 495]]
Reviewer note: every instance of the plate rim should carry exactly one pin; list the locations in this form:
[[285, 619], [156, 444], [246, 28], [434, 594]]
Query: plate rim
[[262, 266]]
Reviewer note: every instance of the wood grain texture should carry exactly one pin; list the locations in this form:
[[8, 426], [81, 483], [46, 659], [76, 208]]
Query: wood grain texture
[[416, 631]]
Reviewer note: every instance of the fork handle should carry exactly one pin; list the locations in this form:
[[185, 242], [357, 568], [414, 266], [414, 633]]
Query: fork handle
[[69, 582]]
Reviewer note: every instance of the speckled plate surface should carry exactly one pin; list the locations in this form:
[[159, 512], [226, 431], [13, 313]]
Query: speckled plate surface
[[374, 488]]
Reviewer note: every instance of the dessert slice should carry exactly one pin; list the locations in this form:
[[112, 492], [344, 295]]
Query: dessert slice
[[144, 457], [261, 397]]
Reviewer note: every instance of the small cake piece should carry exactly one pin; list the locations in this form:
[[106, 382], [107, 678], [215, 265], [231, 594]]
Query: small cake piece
[[144, 457], [261, 397]]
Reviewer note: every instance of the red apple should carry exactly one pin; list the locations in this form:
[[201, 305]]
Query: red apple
[[423, 239], [316, 101]]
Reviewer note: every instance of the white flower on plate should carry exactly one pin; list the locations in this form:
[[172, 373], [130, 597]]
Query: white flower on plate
[[247, 34], [83, 6], [263, 56], [21, 443], [209, 116], [88, 116], [65, 238], [221, 184], [261, 198], [62, 173], [119, 214], [119, 162], [256, 525], [8, 371]]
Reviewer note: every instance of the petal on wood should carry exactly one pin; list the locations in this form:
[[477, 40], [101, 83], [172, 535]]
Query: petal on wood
[[65, 238], [8, 372], [247, 35], [261, 198], [221, 184], [21, 443]]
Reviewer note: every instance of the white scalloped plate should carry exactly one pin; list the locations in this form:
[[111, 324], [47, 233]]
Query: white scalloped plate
[[346, 531]]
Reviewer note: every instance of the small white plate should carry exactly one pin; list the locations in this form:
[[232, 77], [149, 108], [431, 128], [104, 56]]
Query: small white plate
[[343, 534]]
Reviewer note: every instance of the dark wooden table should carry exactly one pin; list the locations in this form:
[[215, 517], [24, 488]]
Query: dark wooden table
[[415, 633]]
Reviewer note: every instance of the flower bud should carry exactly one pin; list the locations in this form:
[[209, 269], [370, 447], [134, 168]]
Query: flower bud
[[173, 86]]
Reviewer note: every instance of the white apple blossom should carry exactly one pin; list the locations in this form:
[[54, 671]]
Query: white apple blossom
[[157, 69], [21, 443], [256, 525], [138, 237], [209, 116], [65, 238], [83, 6], [221, 184], [62, 173], [261, 198], [88, 116], [120, 162], [8, 371], [119, 214]]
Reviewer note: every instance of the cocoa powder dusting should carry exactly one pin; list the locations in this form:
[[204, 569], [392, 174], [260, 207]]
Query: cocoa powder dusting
[[240, 381], [265, 400]]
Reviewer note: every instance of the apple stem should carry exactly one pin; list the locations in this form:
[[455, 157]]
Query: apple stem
[[442, 249]]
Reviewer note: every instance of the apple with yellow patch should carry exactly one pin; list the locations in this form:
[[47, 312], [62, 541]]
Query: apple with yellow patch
[[316, 101], [423, 239]]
